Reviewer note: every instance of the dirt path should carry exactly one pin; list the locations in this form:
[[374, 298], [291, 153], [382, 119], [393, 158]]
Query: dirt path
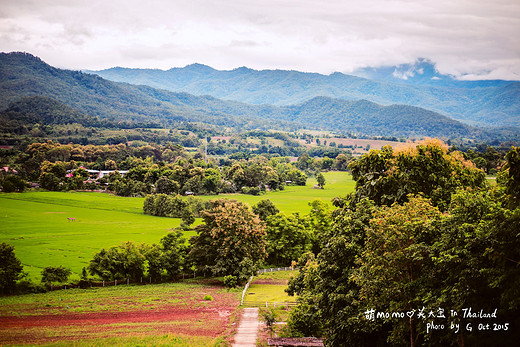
[[248, 328]]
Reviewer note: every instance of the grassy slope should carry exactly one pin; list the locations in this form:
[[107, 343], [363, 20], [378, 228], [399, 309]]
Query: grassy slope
[[36, 224]]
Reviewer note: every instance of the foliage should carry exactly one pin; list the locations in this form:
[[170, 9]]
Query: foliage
[[174, 252], [410, 256], [230, 281], [396, 268], [230, 242], [387, 176], [55, 274], [10, 268], [510, 177], [288, 237], [12, 183], [118, 263], [321, 180], [265, 208], [269, 317]]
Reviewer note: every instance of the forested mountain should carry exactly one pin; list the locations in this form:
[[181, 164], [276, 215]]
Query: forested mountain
[[492, 103], [89, 98]]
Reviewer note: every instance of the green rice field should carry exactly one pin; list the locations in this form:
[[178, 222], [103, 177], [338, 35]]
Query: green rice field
[[36, 223], [296, 198]]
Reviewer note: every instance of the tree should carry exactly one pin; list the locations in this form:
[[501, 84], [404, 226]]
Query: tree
[[341, 162], [387, 176], [120, 262], [269, 317], [55, 274], [174, 253], [164, 185], [10, 268], [321, 180], [287, 238], [510, 177], [477, 260], [265, 208], [396, 267], [13, 183], [230, 242]]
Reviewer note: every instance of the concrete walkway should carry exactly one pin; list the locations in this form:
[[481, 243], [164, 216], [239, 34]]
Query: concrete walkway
[[248, 328]]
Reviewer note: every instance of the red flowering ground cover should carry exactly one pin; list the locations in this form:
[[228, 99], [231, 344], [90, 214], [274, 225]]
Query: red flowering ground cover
[[173, 310]]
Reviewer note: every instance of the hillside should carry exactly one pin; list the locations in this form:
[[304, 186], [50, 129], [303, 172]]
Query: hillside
[[89, 98], [490, 103]]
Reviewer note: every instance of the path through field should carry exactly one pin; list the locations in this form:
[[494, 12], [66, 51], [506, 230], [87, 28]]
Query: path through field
[[248, 328]]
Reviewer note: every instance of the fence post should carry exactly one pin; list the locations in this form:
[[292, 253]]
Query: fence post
[[103, 283], [115, 283], [127, 280]]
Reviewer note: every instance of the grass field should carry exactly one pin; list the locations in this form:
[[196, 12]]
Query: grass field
[[296, 198], [173, 314], [269, 287], [36, 223]]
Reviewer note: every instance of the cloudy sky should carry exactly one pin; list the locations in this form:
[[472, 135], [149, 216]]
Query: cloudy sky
[[469, 38]]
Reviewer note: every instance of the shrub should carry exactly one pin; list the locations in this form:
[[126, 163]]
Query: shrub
[[230, 281]]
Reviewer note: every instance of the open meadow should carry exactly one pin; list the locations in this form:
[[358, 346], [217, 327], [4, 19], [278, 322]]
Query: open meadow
[[296, 198], [37, 225], [173, 314]]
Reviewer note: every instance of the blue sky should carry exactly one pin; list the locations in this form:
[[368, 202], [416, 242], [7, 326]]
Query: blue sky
[[476, 39]]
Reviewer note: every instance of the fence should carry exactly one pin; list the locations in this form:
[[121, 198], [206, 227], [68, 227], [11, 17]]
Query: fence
[[276, 269], [91, 284], [245, 290], [266, 303], [273, 304]]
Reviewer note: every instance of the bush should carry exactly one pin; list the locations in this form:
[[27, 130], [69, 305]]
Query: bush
[[208, 298], [55, 274], [230, 281]]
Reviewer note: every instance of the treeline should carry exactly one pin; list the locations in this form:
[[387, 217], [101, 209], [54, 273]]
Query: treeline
[[166, 169]]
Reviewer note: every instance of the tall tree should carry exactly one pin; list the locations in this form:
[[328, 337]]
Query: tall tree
[[387, 175], [230, 242], [10, 268]]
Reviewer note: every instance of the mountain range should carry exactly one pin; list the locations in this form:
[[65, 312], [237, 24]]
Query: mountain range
[[484, 103], [79, 95]]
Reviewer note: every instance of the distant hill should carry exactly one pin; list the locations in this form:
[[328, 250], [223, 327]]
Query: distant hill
[[490, 103], [32, 89]]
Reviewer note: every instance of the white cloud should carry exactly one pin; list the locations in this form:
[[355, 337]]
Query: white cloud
[[470, 38]]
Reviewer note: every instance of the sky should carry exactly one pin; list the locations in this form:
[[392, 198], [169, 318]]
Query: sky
[[470, 39]]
